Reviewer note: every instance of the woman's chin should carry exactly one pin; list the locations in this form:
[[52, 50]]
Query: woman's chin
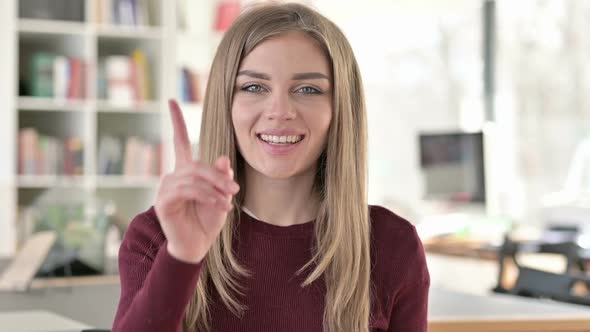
[[279, 173]]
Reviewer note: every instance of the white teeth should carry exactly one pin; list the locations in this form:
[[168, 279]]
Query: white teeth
[[281, 139]]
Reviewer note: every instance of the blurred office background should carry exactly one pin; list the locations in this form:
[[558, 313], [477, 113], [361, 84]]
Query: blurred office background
[[479, 120]]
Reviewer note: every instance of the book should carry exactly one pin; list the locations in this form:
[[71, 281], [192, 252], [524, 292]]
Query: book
[[56, 76], [53, 156], [141, 78], [147, 166], [120, 89], [185, 94], [103, 11], [110, 155], [190, 86], [45, 155], [127, 79], [124, 12], [28, 140], [130, 156], [41, 74], [76, 153], [76, 83], [61, 75], [195, 87]]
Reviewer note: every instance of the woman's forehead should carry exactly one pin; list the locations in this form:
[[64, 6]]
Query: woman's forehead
[[287, 54]]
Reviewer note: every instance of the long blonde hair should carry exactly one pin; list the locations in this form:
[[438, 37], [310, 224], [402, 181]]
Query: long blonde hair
[[341, 253]]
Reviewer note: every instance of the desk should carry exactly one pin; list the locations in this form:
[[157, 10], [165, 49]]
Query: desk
[[94, 305], [38, 321], [451, 311], [91, 300]]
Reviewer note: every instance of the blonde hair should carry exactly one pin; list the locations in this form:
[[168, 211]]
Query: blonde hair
[[341, 253]]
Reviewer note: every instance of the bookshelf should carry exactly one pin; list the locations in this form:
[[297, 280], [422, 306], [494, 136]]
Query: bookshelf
[[195, 44], [91, 113], [28, 26], [50, 104]]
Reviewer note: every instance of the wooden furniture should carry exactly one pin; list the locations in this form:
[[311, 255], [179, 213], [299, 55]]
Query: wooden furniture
[[452, 246]]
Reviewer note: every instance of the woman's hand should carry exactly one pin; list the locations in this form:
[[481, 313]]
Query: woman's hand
[[193, 201]]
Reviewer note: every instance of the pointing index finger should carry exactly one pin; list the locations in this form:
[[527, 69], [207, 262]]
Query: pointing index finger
[[182, 145]]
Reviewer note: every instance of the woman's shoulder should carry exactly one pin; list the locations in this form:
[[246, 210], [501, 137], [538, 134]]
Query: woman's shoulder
[[398, 264], [387, 225], [396, 248], [144, 233]]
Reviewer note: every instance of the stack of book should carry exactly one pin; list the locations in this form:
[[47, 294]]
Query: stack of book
[[130, 156], [126, 79], [44, 155], [125, 12], [56, 76], [190, 86]]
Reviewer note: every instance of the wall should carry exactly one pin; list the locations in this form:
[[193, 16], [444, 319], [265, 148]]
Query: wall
[[421, 66]]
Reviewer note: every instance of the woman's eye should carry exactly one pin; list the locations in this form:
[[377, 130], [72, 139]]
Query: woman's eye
[[252, 88], [309, 90]]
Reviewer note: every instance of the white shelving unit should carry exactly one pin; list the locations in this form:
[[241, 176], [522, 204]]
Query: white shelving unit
[[167, 49], [50, 104], [51, 27], [195, 45]]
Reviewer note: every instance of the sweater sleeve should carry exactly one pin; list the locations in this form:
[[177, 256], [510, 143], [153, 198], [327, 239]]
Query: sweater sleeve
[[410, 309], [155, 287]]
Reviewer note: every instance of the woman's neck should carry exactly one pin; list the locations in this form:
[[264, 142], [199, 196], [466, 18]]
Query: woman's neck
[[281, 202]]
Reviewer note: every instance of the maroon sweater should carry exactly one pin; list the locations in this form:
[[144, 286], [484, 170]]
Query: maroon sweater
[[156, 287]]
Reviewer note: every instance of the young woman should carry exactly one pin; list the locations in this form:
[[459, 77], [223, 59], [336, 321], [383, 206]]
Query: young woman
[[270, 229]]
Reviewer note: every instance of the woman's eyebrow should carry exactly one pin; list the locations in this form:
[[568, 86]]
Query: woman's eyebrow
[[310, 76], [254, 74], [296, 77]]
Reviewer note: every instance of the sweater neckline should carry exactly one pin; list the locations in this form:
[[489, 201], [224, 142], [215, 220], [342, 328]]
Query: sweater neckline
[[252, 223]]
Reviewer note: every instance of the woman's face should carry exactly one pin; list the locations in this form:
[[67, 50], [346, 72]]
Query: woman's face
[[282, 106]]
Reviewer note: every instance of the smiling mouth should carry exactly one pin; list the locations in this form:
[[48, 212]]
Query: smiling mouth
[[281, 140]]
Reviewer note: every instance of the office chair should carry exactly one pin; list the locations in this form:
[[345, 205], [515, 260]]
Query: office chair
[[572, 285]]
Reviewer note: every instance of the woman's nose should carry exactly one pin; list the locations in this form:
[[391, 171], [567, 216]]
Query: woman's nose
[[281, 107]]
